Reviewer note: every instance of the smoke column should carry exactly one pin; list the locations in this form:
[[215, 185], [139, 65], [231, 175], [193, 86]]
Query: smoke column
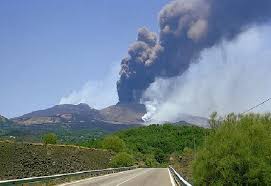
[[187, 27], [231, 78]]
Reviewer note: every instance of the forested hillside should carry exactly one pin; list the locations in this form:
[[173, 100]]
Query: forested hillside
[[153, 145]]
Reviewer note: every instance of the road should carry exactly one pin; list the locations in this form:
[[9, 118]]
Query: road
[[137, 177]]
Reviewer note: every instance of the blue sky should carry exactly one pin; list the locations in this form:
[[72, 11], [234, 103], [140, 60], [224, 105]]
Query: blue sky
[[50, 48]]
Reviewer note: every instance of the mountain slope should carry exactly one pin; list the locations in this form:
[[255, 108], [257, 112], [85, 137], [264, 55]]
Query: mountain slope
[[3, 120], [124, 113], [115, 114], [60, 114], [82, 109], [67, 119], [83, 116]]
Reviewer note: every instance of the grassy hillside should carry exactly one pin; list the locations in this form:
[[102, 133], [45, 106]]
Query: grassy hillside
[[20, 160]]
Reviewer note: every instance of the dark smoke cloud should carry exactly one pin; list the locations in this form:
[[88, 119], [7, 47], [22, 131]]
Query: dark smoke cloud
[[187, 27]]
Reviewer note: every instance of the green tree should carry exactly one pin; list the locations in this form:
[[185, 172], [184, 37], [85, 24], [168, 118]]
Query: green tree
[[236, 153], [150, 161], [160, 156], [113, 143], [49, 138], [213, 121], [122, 159]]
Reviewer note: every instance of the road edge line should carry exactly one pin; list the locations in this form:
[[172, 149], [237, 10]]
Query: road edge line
[[171, 178]]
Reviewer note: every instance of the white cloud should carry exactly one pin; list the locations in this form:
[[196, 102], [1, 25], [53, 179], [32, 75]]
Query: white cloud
[[97, 94], [228, 78]]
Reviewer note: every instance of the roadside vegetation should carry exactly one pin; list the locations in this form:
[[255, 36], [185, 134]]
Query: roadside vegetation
[[151, 146], [237, 152]]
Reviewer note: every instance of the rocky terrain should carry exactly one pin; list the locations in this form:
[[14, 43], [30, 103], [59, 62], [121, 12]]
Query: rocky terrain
[[124, 113], [19, 160]]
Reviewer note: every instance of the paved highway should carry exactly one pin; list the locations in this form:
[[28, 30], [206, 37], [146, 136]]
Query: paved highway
[[137, 177]]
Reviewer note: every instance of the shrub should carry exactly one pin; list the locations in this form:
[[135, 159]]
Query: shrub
[[236, 153], [122, 159], [49, 138], [113, 143], [151, 162]]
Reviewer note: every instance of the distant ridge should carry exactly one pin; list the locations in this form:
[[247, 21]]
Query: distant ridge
[[116, 114], [3, 120], [82, 109], [119, 114]]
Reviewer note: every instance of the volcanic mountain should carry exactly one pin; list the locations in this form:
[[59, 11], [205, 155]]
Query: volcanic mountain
[[82, 115], [59, 114], [79, 118]]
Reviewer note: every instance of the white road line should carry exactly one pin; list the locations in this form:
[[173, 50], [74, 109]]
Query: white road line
[[133, 177], [171, 178], [96, 177], [181, 178]]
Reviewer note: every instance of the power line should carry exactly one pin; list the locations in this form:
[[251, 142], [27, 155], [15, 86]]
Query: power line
[[257, 105]]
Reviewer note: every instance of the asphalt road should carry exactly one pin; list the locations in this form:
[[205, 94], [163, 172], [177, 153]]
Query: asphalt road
[[137, 177]]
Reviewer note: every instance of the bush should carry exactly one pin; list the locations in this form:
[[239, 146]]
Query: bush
[[113, 143], [236, 153], [151, 162], [49, 138], [122, 159]]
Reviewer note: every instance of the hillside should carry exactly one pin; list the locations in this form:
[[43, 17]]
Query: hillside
[[20, 160], [3, 120], [67, 132], [72, 123], [154, 145], [59, 114], [82, 113], [124, 113]]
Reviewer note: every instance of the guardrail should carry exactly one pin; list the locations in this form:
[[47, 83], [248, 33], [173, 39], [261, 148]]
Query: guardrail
[[62, 178], [179, 179]]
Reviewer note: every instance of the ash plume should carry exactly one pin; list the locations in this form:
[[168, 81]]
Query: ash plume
[[187, 27]]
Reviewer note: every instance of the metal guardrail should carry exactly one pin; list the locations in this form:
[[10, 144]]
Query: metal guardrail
[[62, 178], [179, 179]]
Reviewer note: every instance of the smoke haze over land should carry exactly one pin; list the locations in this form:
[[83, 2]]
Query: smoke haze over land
[[187, 27], [97, 94], [231, 77]]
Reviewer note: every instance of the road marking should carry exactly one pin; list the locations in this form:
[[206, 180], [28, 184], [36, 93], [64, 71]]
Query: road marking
[[95, 177], [181, 178], [133, 177], [171, 178]]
